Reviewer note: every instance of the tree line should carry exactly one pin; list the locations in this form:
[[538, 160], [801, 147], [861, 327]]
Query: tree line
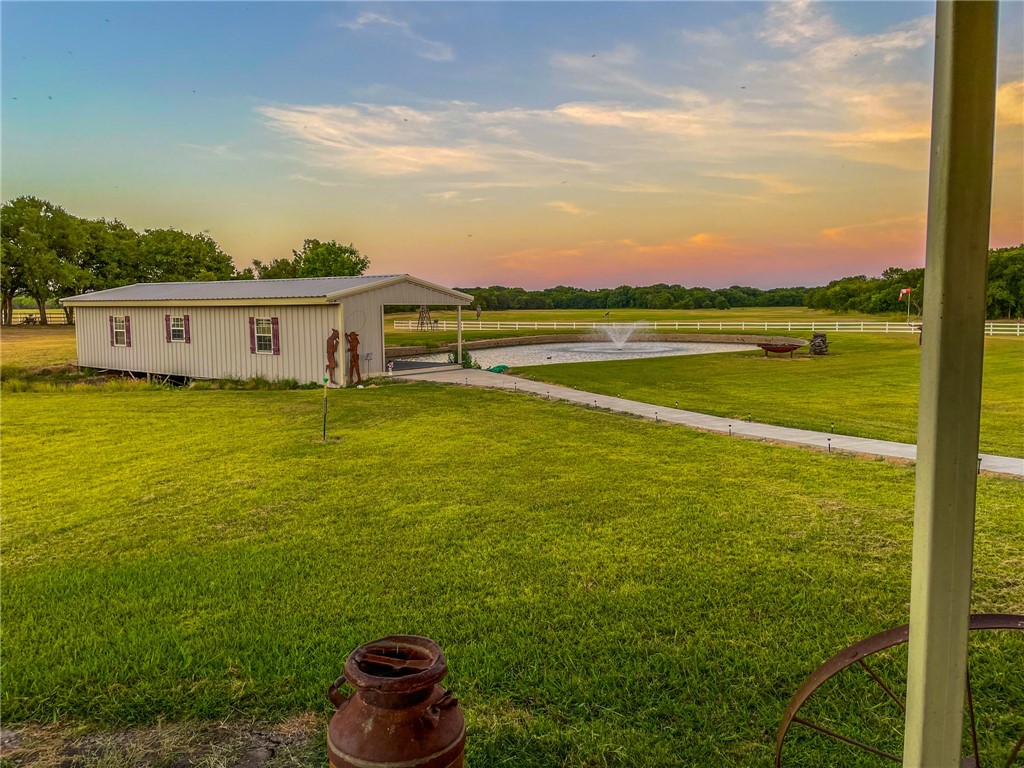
[[871, 295], [659, 296], [50, 254], [1004, 297]]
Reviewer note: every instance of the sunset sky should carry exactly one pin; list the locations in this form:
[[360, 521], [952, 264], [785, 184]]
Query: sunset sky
[[532, 144]]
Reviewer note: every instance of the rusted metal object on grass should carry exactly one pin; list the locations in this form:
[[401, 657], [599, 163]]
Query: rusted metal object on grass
[[399, 715], [857, 655], [779, 348]]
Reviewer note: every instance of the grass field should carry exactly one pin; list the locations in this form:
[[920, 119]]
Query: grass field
[[867, 386], [608, 591], [33, 346]]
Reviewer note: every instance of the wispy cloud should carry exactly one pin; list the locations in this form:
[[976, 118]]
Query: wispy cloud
[[887, 47], [701, 117], [610, 72], [377, 140], [432, 50], [769, 182], [454, 197], [795, 22], [805, 26], [453, 139], [219, 151], [314, 180], [566, 207], [867, 234], [709, 37], [1010, 103]]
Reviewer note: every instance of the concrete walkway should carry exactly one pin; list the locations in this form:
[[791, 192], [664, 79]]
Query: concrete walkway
[[1003, 465]]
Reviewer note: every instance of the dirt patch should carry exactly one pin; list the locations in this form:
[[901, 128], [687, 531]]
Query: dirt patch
[[298, 741]]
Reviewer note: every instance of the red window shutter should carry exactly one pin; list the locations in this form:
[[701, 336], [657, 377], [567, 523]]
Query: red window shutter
[[275, 335], [110, 319], [167, 328], [252, 335], [127, 331], [188, 331]]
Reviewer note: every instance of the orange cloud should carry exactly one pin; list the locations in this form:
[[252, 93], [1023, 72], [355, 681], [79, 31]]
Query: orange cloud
[[566, 207], [1010, 103]]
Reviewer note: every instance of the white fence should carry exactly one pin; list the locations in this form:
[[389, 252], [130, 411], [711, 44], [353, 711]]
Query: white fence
[[991, 328]]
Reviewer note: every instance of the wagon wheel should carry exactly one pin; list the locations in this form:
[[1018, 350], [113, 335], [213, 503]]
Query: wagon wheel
[[868, 696]]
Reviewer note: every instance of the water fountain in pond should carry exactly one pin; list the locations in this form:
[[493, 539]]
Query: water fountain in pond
[[607, 342], [617, 334]]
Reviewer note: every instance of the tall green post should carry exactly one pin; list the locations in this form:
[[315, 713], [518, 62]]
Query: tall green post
[[325, 408], [959, 202]]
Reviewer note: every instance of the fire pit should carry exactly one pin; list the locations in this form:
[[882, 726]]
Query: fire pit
[[779, 348]]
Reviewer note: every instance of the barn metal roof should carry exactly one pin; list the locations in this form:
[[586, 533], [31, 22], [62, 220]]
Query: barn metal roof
[[312, 288]]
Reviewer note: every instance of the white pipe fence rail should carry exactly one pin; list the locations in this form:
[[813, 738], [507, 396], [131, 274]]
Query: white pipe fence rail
[[991, 328]]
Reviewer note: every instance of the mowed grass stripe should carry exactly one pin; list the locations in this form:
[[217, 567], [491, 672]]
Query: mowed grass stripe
[[867, 387], [607, 590]]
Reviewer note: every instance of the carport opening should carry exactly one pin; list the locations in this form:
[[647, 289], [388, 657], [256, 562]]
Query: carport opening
[[412, 332]]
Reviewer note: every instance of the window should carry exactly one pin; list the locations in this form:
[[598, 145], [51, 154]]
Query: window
[[120, 332], [176, 329], [264, 335]]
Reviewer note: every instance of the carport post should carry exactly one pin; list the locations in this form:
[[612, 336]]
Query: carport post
[[342, 346], [959, 202], [458, 311]]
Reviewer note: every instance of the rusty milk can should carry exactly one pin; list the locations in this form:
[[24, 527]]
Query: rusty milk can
[[398, 715]]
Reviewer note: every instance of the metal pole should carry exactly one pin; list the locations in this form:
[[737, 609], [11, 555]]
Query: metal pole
[[325, 408], [959, 202], [459, 337]]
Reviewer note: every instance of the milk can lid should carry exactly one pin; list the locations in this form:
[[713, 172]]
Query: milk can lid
[[397, 663]]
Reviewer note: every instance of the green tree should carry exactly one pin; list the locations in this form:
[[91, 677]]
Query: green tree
[[328, 259], [40, 241], [274, 270], [106, 256], [1006, 282], [170, 255]]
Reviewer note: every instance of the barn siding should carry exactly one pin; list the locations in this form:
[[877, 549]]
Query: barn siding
[[219, 345]]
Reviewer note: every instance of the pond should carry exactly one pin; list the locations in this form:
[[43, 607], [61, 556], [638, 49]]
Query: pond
[[584, 352]]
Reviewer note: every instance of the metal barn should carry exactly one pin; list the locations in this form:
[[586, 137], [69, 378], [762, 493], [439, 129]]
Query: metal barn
[[277, 329]]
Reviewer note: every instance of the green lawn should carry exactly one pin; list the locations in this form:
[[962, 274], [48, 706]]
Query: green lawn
[[609, 591], [867, 387]]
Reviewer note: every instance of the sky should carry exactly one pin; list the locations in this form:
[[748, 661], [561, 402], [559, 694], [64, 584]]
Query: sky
[[530, 144]]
